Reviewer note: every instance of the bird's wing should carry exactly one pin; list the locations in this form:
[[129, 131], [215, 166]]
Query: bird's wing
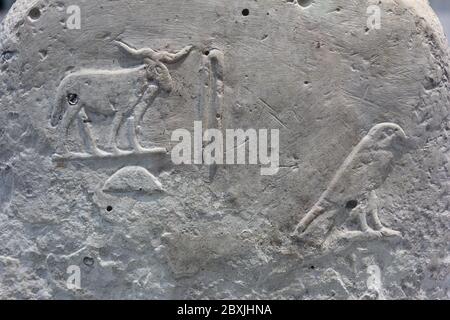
[[352, 180]]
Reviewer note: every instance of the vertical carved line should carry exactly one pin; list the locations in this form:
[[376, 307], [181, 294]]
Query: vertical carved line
[[217, 73], [216, 64]]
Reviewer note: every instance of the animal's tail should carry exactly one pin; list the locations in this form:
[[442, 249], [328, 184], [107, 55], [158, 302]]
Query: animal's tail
[[58, 107]]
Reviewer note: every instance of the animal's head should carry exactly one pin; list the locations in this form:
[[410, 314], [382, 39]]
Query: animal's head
[[62, 100], [156, 63], [159, 73], [385, 135]]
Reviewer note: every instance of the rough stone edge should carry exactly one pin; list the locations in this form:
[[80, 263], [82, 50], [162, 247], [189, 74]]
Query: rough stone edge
[[419, 8], [15, 14]]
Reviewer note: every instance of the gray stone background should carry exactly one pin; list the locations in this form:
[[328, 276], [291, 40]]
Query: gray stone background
[[442, 7], [200, 246]]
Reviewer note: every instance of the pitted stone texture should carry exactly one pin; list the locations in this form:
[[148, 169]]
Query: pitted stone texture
[[311, 69]]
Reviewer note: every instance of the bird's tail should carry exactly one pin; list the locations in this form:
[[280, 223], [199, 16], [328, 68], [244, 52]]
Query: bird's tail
[[312, 214]]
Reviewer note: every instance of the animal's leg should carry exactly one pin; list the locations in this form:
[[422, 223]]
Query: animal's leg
[[86, 128], [149, 97], [116, 125], [308, 219], [373, 211], [63, 130], [133, 134]]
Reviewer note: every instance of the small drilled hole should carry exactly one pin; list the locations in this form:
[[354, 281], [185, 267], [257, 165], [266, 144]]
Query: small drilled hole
[[351, 204], [88, 261], [206, 52], [72, 98], [7, 55], [245, 12], [304, 3], [34, 14], [109, 208]]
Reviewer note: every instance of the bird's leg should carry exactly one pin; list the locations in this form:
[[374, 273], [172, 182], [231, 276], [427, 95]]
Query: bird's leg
[[361, 213], [363, 222], [87, 133], [373, 211]]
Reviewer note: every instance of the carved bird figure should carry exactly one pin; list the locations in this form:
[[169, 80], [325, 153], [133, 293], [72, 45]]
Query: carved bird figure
[[353, 188]]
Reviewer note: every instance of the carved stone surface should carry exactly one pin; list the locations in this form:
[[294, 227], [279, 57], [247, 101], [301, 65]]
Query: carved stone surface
[[359, 208]]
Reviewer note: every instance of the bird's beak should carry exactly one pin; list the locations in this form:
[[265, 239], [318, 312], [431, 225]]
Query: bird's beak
[[402, 134]]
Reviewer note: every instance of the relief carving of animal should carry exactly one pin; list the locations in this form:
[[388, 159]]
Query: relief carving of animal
[[124, 93]]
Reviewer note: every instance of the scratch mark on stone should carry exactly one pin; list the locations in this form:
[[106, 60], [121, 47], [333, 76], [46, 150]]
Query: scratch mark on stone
[[272, 112]]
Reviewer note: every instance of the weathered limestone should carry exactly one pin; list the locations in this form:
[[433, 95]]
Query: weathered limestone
[[358, 208]]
